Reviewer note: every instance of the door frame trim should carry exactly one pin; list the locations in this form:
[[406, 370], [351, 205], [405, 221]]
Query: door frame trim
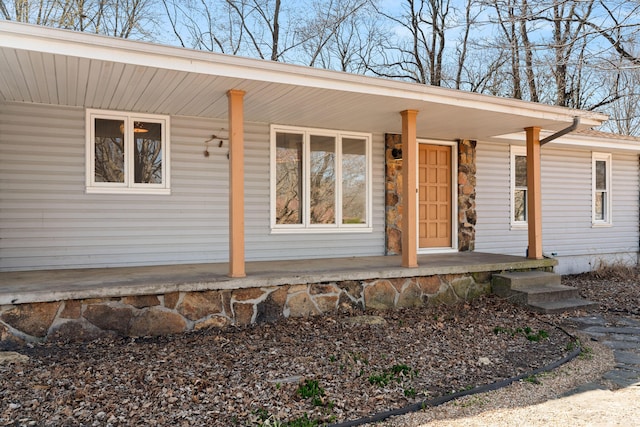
[[454, 196]]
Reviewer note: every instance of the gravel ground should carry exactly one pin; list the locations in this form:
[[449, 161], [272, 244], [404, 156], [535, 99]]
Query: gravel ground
[[296, 372], [574, 394], [539, 403]]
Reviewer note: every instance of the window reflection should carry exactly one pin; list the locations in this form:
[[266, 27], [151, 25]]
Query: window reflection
[[354, 181], [147, 153], [109, 150], [288, 178], [323, 180]]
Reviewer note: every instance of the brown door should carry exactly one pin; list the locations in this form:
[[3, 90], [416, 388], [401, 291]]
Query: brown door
[[434, 198]]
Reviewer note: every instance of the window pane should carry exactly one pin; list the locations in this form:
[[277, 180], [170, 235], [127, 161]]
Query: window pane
[[109, 150], [520, 205], [521, 171], [288, 178], [354, 181], [601, 205], [322, 183], [601, 175], [148, 153]]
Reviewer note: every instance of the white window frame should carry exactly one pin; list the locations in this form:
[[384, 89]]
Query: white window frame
[[607, 221], [516, 150], [306, 226], [128, 186]]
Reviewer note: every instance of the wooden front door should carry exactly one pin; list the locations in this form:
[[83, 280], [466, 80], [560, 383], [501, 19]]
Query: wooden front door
[[434, 198]]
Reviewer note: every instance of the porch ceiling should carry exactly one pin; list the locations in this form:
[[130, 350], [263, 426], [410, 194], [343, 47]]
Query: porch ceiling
[[44, 65]]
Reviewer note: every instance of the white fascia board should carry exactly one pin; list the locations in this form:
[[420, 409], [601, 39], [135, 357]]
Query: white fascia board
[[578, 141], [112, 49], [598, 144]]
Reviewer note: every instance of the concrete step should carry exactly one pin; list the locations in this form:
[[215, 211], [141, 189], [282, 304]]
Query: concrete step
[[523, 279], [542, 293], [561, 306], [536, 293], [539, 290]]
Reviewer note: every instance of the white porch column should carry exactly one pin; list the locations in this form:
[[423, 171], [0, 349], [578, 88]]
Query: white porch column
[[236, 184]]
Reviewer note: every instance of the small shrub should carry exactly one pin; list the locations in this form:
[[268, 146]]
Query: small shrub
[[571, 345], [500, 330], [358, 358], [303, 421], [614, 270], [586, 353], [526, 331], [410, 392], [537, 337], [381, 380], [262, 414], [400, 370], [310, 389], [395, 373], [265, 419]]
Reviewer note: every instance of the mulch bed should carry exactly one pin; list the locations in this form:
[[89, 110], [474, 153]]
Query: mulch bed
[[295, 372], [616, 288]]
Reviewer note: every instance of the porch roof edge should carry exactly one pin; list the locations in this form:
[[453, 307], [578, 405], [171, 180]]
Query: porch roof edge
[[102, 48]]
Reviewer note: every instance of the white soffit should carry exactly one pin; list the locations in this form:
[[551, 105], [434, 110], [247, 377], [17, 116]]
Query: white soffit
[[60, 67]]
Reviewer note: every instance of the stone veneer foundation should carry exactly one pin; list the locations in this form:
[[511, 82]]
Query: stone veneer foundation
[[177, 312]]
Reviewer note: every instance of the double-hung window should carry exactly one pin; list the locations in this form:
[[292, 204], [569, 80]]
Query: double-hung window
[[601, 188], [127, 153], [320, 180], [518, 187]]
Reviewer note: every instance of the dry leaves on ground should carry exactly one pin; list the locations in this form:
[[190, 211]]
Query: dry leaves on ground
[[297, 371], [615, 289]]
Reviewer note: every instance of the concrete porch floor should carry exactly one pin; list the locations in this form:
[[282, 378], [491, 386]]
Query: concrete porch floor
[[56, 285]]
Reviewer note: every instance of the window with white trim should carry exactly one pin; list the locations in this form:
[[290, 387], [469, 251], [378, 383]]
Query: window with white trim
[[320, 180], [127, 153], [518, 186], [601, 188]]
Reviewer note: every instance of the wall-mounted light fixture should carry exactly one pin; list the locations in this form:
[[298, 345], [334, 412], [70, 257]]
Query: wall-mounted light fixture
[[396, 153], [213, 137]]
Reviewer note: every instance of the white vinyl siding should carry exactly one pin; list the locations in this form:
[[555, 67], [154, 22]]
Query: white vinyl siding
[[48, 221], [566, 204]]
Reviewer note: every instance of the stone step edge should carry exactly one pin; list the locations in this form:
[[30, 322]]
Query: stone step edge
[[546, 288], [562, 305], [536, 293], [550, 293], [526, 278]]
